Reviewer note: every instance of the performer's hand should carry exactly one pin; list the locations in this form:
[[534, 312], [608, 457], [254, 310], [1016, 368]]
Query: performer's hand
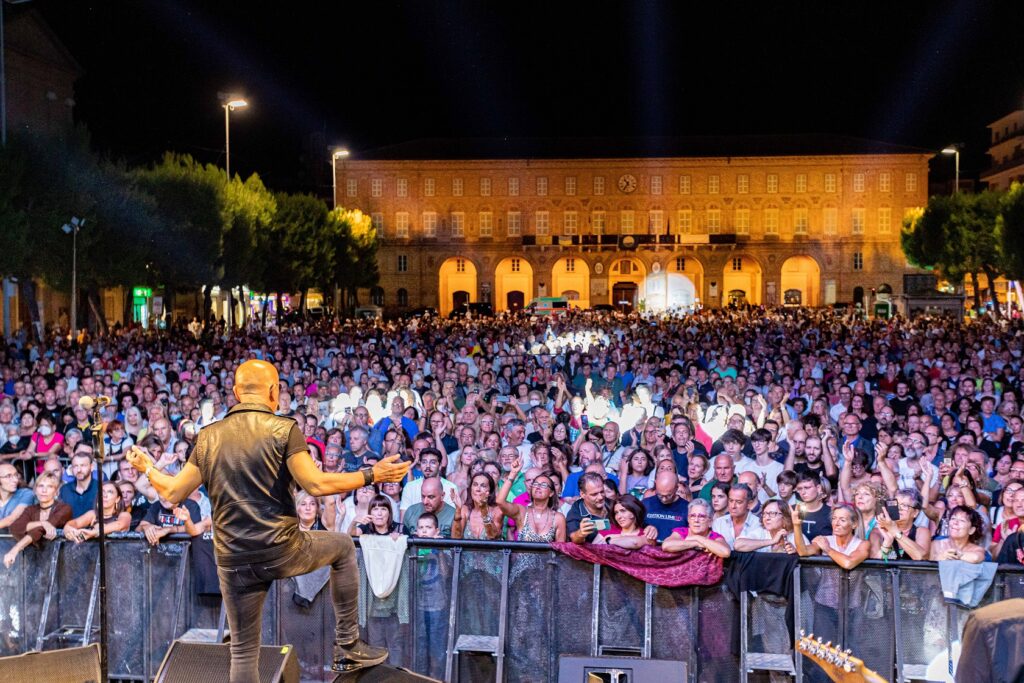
[[139, 459], [390, 469]]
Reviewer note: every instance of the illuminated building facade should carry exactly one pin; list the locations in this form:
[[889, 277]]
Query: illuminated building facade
[[651, 223]]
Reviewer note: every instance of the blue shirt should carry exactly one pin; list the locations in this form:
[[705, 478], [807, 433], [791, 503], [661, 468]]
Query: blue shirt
[[20, 497], [665, 518], [571, 488], [80, 502]]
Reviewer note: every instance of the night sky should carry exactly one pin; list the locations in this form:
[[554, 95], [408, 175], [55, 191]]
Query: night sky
[[374, 73]]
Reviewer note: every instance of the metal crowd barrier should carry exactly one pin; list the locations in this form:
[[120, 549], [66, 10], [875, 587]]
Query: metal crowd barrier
[[476, 610]]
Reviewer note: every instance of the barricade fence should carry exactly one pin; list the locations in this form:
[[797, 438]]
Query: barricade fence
[[476, 610]]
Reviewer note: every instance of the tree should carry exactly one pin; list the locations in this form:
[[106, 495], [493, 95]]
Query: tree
[[249, 210], [355, 262], [1010, 230], [957, 235], [299, 247]]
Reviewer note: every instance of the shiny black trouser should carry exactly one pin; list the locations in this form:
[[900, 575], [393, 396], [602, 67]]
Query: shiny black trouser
[[245, 588]]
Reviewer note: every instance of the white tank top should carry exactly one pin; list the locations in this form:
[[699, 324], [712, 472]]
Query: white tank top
[[853, 544]]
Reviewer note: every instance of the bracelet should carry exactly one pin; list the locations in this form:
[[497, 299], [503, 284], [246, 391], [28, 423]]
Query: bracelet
[[367, 475], [148, 470]]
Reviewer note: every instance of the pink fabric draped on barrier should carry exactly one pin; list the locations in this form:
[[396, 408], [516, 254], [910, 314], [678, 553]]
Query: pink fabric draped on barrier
[[650, 564]]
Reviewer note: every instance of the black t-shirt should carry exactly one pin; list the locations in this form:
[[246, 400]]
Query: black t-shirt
[[901, 406], [158, 515], [817, 523], [819, 471], [370, 530]]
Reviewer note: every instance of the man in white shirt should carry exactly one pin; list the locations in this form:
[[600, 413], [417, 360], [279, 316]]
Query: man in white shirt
[[739, 523], [429, 465]]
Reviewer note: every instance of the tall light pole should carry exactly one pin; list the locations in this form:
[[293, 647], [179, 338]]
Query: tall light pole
[[230, 103], [72, 229], [955, 151], [335, 155]]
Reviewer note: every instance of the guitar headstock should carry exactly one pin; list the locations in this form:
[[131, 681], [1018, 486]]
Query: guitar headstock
[[840, 665]]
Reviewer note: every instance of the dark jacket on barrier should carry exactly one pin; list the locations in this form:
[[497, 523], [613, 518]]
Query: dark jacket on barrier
[[764, 573], [59, 516], [1013, 548], [993, 644]]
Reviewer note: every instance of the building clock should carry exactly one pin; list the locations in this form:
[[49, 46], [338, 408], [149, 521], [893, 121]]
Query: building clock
[[627, 183]]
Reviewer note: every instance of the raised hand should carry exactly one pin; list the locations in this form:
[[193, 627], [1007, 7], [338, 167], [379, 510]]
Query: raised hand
[[139, 459], [390, 469]]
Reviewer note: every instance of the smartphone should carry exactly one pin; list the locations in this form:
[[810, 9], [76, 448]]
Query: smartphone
[[585, 421], [947, 461], [602, 524], [893, 509], [801, 510], [207, 411]]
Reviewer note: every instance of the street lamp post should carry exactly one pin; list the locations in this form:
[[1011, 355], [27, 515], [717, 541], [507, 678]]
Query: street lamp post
[[335, 155], [72, 229], [955, 151], [230, 103]]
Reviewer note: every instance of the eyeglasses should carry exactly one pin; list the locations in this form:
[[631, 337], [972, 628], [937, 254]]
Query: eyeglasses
[[772, 514], [541, 485], [698, 516]]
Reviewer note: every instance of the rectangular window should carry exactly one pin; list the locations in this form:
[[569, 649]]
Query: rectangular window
[[830, 220], [857, 223], [858, 260], [800, 220], [858, 182], [626, 222], [684, 184], [772, 183], [351, 187], [655, 184], [801, 182], [570, 185], [402, 187], [743, 221], [684, 221], [485, 187], [830, 182], [429, 224], [456, 187], [402, 224], [656, 221], [403, 263], [458, 224], [910, 182], [598, 184], [885, 220], [680, 263], [542, 222], [513, 187], [737, 263], [460, 265], [713, 184], [514, 223], [485, 219], [376, 187], [885, 182], [570, 223], [542, 186], [742, 183], [377, 221], [597, 222], [516, 265], [714, 221], [570, 265], [771, 221], [428, 187]]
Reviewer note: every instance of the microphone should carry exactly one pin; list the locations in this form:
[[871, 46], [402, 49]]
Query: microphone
[[88, 402]]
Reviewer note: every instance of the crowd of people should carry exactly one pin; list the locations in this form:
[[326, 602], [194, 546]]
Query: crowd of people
[[787, 431]]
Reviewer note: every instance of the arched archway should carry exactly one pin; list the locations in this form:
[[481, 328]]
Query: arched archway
[[513, 283], [570, 277], [741, 281], [456, 279], [627, 282], [801, 281]]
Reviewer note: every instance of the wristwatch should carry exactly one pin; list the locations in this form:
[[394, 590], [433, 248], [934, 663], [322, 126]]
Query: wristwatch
[[367, 475]]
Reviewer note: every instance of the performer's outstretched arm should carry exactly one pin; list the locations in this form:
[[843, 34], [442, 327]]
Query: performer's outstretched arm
[[174, 488], [317, 483]]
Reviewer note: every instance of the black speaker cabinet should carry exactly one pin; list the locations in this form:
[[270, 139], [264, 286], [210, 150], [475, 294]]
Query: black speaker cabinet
[[70, 665], [208, 662], [384, 674], [620, 670]]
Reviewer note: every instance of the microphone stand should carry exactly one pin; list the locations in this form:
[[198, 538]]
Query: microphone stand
[[97, 429]]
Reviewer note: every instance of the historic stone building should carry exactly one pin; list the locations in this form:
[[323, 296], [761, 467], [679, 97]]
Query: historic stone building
[[654, 223]]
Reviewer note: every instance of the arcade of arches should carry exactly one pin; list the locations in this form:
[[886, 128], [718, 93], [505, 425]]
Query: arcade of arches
[[678, 282]]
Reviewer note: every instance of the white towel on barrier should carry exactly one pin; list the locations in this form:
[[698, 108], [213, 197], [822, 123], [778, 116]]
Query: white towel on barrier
[[383, 557]]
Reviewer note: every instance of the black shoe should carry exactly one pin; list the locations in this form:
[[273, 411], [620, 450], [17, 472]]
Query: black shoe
[[358, 655]]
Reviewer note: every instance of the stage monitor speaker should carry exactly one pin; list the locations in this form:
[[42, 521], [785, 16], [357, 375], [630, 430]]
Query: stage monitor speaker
[[199, 662], [384, 673], [70, 665], [620, 670]]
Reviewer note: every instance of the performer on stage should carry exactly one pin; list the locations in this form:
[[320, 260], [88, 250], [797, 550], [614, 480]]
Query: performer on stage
[[248, 462]]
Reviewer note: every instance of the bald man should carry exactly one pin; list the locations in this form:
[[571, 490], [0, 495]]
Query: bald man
[[248, 462]]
